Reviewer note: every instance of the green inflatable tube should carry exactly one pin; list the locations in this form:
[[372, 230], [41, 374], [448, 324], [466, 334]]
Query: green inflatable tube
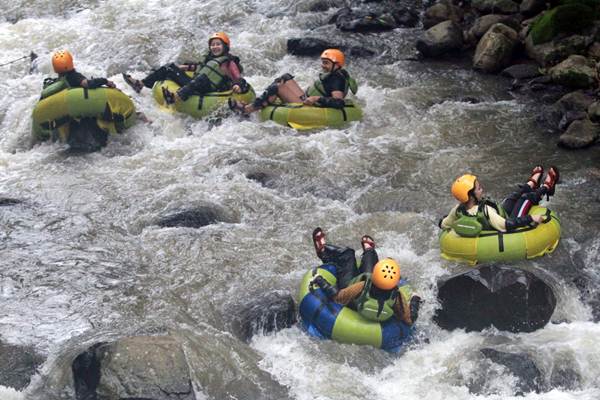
[[198, 106], [112, 109], [303, 117], [523, 243]]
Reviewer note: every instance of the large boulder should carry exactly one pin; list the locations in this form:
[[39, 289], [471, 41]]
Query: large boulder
[[495, 6], [485, 22], [17, 365], [580, 134], [568, 18], [440, 12], [315, 46], [141, 367], [494, 295], [553, 52], [443, 38], [495, 49], [575, 72], [529, 8]]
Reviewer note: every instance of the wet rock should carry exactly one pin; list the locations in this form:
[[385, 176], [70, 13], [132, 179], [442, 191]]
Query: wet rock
[[594, 111], [495, 6], [7, 201], [443, 38], [195, 218], [564, 19], [529, 8], [484, 23], [495, 49], [549, 118], [522, 71], [575, 72], [530, 378], [265, 179], [575, 101], [580, 134], [141, 367], [17, 365], [569, 117], [406, 17], [315, 46], [493, 295], [349, 20], [553, 52], [594, 51], [565, 377], [267, 312], [440, 12]]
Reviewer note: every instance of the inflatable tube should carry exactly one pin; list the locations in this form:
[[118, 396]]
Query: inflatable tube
[[325, 319], [523, 243], [112, 110], [302, 117], [199, 106]]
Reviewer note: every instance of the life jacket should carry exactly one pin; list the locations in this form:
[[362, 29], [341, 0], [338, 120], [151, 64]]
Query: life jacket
[[318, 88], [379, 308], [211, 68], [471, 225], [54, 85]]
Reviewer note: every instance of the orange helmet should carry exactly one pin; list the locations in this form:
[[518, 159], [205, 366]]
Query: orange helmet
[[62, 61], [386, 274], [220, 35], [462, 186], [335, 56]]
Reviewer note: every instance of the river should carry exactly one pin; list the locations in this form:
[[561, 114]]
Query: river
[[82, 260]]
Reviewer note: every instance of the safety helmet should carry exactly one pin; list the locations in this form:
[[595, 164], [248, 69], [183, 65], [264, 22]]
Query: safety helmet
[[220, 35], [335, 56], [462, 186], [62, 61], [386, 274]]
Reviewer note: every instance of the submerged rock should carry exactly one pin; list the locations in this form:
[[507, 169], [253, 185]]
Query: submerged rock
[[492, 295], [7, 201], [17, 365], [522, 71], [315, 46], [530, 378], [268, 312], [195, 218]]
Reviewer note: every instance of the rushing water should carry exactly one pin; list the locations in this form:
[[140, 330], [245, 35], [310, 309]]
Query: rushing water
[[82, 260]]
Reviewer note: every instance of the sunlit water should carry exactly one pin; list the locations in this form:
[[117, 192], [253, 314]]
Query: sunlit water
[[82, 260]]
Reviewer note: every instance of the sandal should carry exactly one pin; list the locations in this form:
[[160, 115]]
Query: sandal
[[552, 179], [367, 243], [134, 83], [539, 171], [318, 237]]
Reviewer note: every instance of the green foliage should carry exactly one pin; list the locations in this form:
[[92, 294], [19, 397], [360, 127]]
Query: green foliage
[[562, 19], [589, 3]]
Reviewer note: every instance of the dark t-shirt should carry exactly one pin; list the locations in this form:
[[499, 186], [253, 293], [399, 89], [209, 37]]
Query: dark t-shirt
[[334, 82], [74, 78]]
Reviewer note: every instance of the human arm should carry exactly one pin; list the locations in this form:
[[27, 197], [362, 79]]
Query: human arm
[[95, 83], [349, 293], [448, 220], [233, 72], [407, 310]]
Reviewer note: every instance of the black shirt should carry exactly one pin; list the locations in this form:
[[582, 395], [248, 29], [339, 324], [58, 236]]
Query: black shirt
[[335, 81], [74, 78]]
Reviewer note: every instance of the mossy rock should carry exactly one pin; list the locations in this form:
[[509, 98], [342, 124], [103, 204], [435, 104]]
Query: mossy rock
[[566, 18], [589, 3]]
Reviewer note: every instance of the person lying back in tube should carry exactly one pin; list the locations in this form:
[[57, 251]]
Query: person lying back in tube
[[475, 213], [219, 71], [328, 91], [375, 289], [69, 77]]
